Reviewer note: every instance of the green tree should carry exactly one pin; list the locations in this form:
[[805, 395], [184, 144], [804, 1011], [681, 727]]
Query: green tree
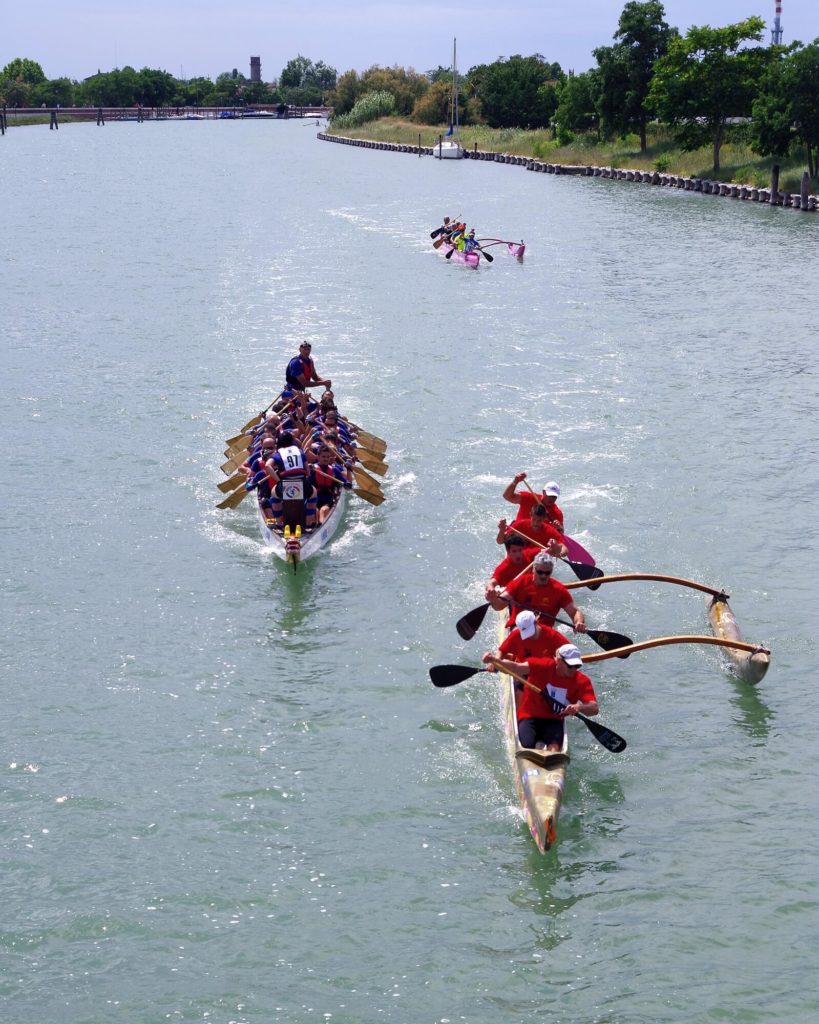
[[56, 92], [405, 84], [24, 69], [295, 72], [156, 88], [515, 92], [787, 111], [433, 106], [626, 69], [576, 104], [705, 78], [348, 89]]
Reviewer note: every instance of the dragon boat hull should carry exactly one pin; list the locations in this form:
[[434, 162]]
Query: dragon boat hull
[[298, 549], [750, 666]]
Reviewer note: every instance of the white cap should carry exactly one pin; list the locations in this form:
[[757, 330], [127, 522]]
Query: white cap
[[552, 488], [526, 623], [570, 654]]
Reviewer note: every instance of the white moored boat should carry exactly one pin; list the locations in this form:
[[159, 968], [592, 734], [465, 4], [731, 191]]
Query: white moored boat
[[450, 148]]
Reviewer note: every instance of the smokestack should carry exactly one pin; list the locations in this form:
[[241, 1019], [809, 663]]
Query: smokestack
[[776, 31]]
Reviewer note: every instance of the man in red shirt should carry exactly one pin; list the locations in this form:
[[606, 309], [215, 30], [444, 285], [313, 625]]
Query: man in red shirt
[[518, 558], [539, 592], [526, 501], [530, 639], [536, 529], [563, 692]]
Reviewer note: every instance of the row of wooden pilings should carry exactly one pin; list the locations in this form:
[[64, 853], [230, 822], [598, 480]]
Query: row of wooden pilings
[[802, 200]]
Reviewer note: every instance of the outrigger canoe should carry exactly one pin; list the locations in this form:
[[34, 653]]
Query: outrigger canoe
[[540, 775]]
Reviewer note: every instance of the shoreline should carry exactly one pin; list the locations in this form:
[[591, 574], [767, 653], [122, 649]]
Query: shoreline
[[804, 200]]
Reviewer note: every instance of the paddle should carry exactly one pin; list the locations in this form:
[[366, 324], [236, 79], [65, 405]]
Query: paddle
[[576, 551], [372, 497], [451, 675], [232, 464], [486, 255], [374, 442], [438, 242], [234, 499], [232, 483], [580, 569], [364, 480], [375, 466], [469, 624]]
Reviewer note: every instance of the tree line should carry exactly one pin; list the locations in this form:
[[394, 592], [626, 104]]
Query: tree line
[[302, 83], [705, 86]]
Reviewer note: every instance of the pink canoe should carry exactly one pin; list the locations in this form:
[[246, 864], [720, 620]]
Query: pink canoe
[[471, 259]]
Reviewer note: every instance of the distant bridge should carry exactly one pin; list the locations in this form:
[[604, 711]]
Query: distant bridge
[[260, 111]]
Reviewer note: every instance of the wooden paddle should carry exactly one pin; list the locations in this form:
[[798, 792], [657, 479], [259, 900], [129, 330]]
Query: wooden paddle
[[374, 466], [580, 569], [451, 675], [232, 465], [371, 496], [235, 481], [438, 243], [469, 624], [377, 444], [234, 499], [364, 480]]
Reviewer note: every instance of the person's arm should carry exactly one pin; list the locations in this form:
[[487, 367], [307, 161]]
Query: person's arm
[[510, 494], [501, 537], [588, 707], [557, 548], [578, 618], [314, 379], [498, 599], [520, 668]]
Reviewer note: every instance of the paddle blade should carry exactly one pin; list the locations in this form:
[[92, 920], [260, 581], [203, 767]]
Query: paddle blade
[[488, 256], [375, 467], [253, 423], [234, 499], [371, 496], [371, 440], [449, 254], [585, 572], [451, 675], [469, 625], [577, 552], [609, 641], [230, 485], [610, 740], [437, 243]]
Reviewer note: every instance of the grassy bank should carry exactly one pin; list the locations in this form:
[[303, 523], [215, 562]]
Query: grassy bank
[[738, 163]]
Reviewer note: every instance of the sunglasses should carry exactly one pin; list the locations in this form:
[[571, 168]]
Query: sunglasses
[[543, 572]]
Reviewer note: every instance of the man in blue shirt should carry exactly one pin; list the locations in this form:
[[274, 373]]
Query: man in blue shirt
[[301, 373]]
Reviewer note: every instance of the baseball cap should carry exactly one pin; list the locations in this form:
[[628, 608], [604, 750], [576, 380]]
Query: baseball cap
[[570, 654], [526, 623], [552, 488]]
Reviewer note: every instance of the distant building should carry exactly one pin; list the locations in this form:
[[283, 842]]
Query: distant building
[[255, 69]]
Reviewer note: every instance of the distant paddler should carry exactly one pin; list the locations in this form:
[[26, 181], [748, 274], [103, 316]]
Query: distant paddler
[[536, 528]]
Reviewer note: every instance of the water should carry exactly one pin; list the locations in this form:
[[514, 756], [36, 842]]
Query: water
[[232, 794]]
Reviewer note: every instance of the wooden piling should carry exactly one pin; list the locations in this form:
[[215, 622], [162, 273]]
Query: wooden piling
[[53, 122], [804, 191], [100, 116], [775, 185]]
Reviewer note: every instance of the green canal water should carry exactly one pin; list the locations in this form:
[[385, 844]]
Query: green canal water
[[231, 794]]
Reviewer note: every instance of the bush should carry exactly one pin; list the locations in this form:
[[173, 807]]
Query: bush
[[662, 164], [369, 108]]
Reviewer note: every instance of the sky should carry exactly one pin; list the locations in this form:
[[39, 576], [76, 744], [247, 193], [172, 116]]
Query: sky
[[189, 38]]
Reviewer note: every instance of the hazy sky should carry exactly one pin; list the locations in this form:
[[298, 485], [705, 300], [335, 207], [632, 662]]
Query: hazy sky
[[202, 37]]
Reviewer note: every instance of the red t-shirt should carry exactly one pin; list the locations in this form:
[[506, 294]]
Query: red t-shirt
[[566, 689], [550, 597], [506, 570], [528, 502], [543, 535], [515, 648]]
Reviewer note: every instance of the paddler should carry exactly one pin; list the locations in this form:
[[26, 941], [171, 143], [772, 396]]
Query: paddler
[[518, 558], [537, 590], [530, 639], [301, 371], [328, 476], [469, 242], [526, 501], [540, 721], [536, 529], [288, 464]]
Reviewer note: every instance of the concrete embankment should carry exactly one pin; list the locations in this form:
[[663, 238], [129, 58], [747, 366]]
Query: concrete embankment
[[802, 200]]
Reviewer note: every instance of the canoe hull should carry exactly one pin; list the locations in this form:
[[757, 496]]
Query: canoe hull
[[311, 543], [748, 666], [471, 259], [539, 775]]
